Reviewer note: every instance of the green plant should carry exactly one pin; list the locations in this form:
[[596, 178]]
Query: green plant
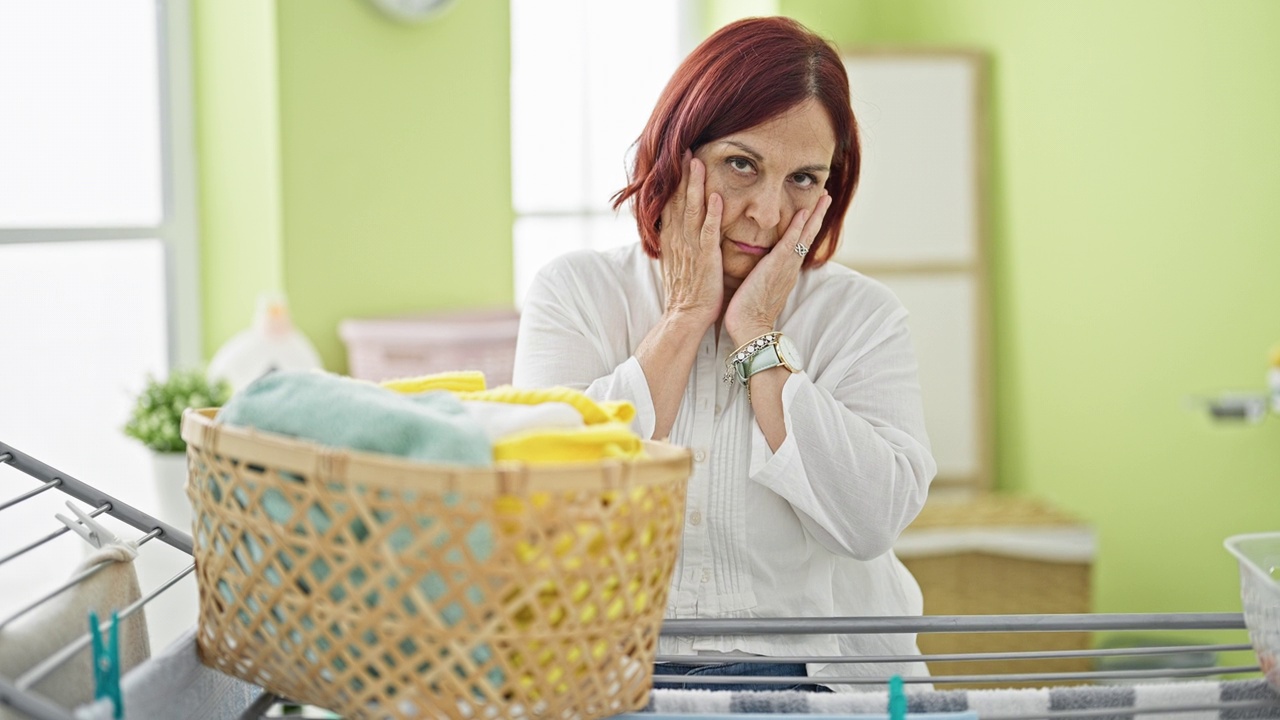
[[157, 415]]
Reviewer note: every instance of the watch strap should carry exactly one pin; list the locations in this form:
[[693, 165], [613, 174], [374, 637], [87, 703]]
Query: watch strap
[[763, 359], [733, 366]]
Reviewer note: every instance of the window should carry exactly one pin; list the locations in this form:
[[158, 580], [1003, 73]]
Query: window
[[584, 78], [97, 246]]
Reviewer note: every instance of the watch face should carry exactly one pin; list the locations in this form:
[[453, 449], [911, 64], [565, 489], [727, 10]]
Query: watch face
[[788, 354]]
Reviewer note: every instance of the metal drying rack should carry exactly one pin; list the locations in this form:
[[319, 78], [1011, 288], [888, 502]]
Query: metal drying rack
[[17, 694]]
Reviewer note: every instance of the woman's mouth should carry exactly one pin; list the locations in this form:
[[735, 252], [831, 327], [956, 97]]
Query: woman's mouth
[[749, 249]]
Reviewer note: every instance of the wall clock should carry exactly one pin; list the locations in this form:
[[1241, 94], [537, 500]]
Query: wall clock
[[412, 10]]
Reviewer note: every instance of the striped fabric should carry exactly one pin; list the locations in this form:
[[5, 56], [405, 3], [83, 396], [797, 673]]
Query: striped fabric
[[1144, 702]]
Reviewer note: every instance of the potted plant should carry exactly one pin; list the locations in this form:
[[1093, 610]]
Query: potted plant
[[156, 421]]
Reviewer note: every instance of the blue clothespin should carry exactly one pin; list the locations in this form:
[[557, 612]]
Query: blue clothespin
[[897, 699], [106, 663]]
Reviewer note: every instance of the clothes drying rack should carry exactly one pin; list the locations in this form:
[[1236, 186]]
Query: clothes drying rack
[[1173, 692]]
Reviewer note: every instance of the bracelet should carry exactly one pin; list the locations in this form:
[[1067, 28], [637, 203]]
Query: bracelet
[[745, 352]]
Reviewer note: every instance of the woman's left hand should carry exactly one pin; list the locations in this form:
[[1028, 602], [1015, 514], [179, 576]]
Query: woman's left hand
[[756, 304]]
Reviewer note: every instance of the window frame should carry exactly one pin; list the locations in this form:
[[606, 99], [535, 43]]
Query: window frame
[[688, 33], [178, 230]]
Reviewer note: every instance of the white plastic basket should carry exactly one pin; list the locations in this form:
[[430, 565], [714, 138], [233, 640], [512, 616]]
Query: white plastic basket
[[396, 347], [1259, 556]]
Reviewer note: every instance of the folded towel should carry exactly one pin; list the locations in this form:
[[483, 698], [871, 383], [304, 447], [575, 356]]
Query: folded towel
[[174, 684], [592, 442], [460, 381], [501, 419], [593, 412], [534, 427], [34, 637], [345, 413]]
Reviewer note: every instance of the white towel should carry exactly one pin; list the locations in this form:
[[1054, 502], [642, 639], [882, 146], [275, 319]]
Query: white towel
[[500, 419], [174, 684], [667, 704], [53, 625], [1178, 694], [1014, 701], [1125, 700]]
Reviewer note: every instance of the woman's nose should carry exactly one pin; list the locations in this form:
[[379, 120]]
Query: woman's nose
[[764, 206]]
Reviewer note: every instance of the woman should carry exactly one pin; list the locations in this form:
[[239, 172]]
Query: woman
[[792, 379]]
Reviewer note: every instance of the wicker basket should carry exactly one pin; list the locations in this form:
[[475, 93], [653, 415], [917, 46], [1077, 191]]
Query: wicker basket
[[983, 582], [376, 587]]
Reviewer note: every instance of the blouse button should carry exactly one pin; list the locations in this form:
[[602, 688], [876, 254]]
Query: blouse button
[[700, 455], [695, 518]]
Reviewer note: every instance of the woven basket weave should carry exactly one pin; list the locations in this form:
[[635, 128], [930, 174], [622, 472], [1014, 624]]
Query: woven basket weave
[[980, 583], [376, 587]]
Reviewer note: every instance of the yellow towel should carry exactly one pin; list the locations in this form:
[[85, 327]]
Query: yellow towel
[[587, 443], [461, 381], [606, 433], [593, 413]]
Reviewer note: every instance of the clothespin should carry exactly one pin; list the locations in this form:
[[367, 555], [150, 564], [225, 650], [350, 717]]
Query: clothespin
[[89, 528], [106, 663], [897, 699]]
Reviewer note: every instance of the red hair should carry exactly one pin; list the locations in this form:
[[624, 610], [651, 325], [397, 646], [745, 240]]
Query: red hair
[[745, 74]]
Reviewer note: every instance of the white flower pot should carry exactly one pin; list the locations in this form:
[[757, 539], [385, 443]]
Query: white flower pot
[[169, 478], [174, 611]]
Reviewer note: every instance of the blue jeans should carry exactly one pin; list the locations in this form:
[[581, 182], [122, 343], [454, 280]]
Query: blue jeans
[[739, 668]]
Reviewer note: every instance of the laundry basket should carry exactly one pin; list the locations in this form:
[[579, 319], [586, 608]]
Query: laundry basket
[[1259, 557], [377, 587], [414, 345]]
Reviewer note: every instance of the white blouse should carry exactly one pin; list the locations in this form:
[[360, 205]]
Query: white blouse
[[805, 531]]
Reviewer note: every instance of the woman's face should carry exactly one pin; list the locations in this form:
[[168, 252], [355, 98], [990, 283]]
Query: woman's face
[[765, 175]]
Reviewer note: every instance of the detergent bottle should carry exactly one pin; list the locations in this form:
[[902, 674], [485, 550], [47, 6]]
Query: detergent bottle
[[271, 343]]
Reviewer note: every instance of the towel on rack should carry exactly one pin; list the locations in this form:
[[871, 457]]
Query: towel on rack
[[35, 636], [1004, 702], [174, 684], [345, 413], [760, 704]]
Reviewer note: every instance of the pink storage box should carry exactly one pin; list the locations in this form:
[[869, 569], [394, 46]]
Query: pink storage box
[[385, 348]]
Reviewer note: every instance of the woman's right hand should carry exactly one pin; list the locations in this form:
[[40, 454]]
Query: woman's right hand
[[692, 274]]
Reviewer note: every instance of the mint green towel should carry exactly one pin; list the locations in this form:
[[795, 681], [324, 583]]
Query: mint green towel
[[345, 413]]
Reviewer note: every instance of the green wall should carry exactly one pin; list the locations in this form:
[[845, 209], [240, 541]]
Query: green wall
[[1135, 170], [397, 173], [358, 164], [237, 136]]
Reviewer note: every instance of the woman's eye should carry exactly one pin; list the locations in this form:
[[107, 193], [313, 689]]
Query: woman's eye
[[740, 164], [804, 180]]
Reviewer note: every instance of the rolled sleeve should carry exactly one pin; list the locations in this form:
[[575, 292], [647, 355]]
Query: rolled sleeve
[[771, 468], [856, 464], [628, 382]]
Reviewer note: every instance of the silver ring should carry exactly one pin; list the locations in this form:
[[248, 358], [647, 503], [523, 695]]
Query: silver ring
[[801, 250]]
